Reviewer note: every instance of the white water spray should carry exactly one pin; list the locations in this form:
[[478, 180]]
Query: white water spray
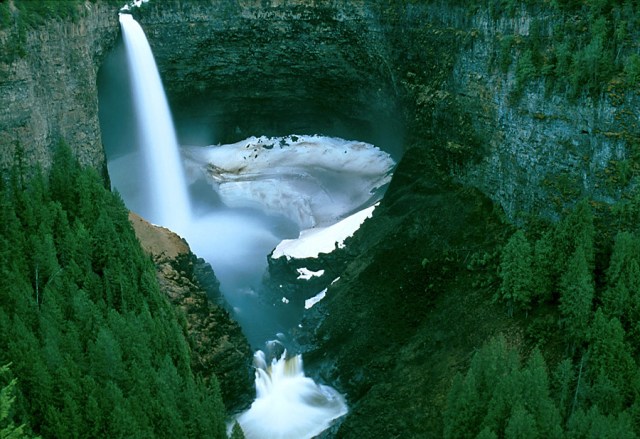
[[288, 404], [164, 186]]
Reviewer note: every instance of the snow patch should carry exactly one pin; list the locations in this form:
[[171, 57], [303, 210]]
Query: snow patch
[[312, 242], [315, 299], [306, 274], [311, 180]]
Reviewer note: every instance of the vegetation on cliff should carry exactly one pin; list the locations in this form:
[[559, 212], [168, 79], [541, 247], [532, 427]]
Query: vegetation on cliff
[[94, 347], [584, 316], [18, 17], [575, 46]]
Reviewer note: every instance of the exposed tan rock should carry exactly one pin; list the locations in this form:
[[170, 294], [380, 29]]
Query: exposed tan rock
[[161, 243]]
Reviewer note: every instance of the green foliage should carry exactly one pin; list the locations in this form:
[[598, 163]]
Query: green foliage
[[237, 432], [500, 397], [525, 69], [96, 349], [593, 392], [632, 70], [543, 267], [27, 15], [576, 297], [516, 274], [620, 298], [8, 429], [592, 43]]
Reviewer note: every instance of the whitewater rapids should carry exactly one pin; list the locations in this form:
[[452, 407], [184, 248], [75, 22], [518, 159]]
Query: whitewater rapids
[[289, 405]]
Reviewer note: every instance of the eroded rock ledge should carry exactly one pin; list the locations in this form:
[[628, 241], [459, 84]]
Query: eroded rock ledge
[[218, 346]]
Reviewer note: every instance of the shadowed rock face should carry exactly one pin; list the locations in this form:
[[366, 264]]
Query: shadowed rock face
[[218, 346], [280, 68]]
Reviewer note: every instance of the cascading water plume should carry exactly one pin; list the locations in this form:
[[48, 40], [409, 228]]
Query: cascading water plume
[[164, 190], [288, 404]]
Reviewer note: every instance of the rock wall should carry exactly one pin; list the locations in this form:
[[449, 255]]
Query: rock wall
[[535, 153], [385, 72], [240, 68], [51, 93]]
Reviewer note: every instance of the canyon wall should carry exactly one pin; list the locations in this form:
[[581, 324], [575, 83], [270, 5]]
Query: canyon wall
[[392, 73], [50, 93], [395, 73], [540, 150]]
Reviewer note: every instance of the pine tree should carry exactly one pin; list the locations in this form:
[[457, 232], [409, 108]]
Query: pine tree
[[575, 230], [464, 407], [516, 274], [576, 298], [236, 432], [64, 170], [623, 276], [611, 364], [521, 424], [8, 429], [97, 349], [536, 397], [543, 268], [563, 387]]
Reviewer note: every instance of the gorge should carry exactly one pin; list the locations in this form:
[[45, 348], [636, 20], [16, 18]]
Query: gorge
[[465, 97]]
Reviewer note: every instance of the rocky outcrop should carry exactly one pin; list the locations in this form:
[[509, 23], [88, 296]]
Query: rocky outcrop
[[218, 346], [391, 73], [50, 93]]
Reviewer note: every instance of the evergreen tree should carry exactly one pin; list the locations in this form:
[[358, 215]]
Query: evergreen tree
[[612, 367], [96, 348], [593, 424], [516, 273], [8, 429], [500, 398], [521, 424], [563, 387], [236, 432], [543, 268], [621, 297], [575, 230], [576, 297]]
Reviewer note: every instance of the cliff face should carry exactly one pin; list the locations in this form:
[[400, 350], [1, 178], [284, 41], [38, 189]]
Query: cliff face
[[51, 92], [393, 74], [234, 69], [540, 150]]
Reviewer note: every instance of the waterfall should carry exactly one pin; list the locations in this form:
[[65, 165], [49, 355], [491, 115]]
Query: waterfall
[[164, 188], [288, 404]]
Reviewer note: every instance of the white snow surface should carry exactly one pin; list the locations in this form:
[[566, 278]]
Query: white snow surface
[[308, 304], [312, 242], [312, 180], [306, 274]]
